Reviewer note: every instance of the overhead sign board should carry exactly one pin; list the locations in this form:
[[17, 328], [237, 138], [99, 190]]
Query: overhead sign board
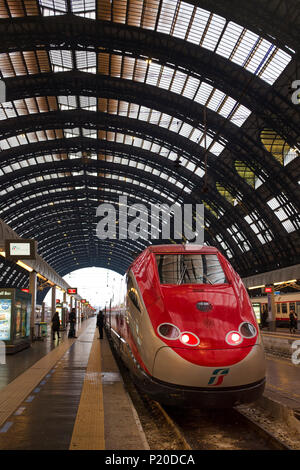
[[83, 301], [72, 291], [20, 249]]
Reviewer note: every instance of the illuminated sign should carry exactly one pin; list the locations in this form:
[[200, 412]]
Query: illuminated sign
[[72, 291], [5, 316], [268, 290], [20, 249], [83, 301], [25, 290]]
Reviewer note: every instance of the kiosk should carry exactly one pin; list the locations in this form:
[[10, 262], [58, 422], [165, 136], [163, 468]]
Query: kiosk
[[15, 311]]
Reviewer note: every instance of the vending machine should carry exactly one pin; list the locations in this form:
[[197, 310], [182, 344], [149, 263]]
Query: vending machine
[[15, 311]]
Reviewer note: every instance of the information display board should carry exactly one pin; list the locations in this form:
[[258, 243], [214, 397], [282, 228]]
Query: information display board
[[20, 249]]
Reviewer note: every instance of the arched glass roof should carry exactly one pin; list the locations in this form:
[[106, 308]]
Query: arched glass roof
[[159, 100]]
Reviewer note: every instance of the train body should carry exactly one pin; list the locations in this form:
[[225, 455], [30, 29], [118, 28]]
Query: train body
[[185, 327], [283, 304]]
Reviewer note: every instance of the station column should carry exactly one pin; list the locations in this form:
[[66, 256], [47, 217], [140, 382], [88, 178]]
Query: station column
[[32, 290], [271, 308], [53, 301]]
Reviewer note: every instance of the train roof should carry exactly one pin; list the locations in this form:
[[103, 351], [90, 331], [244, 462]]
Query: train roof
[[189, 248]]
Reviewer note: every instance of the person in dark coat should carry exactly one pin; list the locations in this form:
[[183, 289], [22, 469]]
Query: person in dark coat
[[72, 320], [100, 322], [293, 321], [55, 325]]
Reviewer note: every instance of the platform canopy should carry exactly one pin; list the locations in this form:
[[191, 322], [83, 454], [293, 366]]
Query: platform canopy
[[162, 101]]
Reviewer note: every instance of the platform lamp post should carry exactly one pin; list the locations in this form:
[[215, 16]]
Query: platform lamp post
[[269, 290]]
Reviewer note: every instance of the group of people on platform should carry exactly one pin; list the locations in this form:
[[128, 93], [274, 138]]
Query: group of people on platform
[[56, 324], [72, 321]]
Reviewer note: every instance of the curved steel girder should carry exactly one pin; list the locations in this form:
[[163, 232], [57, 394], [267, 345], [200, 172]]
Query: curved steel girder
[[187, 148], [279, 22], [99, 166], [65, 165], [227, 237], [72, 32], [77, 181], [218, 223], [167, 102], [77, 83]]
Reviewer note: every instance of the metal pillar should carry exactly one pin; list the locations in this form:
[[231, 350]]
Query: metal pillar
[[32, 290], [53, 302], [43, 311], [271, 310]]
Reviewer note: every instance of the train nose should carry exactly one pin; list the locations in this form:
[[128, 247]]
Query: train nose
[[171, 367]]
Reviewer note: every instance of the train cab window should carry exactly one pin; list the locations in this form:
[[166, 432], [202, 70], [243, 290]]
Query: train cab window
[[283, 308], [190, 269], [132, 294]]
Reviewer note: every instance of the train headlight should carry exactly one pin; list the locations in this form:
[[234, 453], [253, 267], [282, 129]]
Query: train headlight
[[234, 338], [168, 331], [190, 339], [247, 330]]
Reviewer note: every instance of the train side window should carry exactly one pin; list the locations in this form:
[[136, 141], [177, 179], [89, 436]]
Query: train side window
[[132, 294], [278, 308], [292, 306], [284, 308]]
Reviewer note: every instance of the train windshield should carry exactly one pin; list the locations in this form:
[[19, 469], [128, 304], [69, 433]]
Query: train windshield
[[190, 269]]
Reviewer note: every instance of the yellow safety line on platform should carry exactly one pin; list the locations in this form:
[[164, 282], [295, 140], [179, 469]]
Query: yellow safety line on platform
[[88, 431], [16, 391]]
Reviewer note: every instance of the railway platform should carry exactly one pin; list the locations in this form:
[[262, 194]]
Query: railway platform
[[67, 394]]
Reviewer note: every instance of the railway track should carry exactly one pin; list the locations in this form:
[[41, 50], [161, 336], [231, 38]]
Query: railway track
[[198, 429], [223, 429]]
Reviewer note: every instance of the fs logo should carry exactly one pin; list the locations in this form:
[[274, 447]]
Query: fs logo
[[218, 377]]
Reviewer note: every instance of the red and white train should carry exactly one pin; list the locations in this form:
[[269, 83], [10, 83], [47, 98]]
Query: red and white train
[[284, 302], [185, 327]]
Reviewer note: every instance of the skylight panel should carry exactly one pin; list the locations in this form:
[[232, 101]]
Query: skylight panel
[[61, 60], [229, 40], [213, 33], [86, 61], [191, 87], [153, 74], [276, 66], [198, 26], [85, 8], [67, 102], [203, 93], [53, 7], [166, 16], [183, 20], [179, 80]]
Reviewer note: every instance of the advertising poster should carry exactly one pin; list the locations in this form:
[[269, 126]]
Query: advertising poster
[[5, 316]]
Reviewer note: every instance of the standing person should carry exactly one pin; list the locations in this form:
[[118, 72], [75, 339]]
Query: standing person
[[72, 320], [55, 326], [293, 321], [100, 321]]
